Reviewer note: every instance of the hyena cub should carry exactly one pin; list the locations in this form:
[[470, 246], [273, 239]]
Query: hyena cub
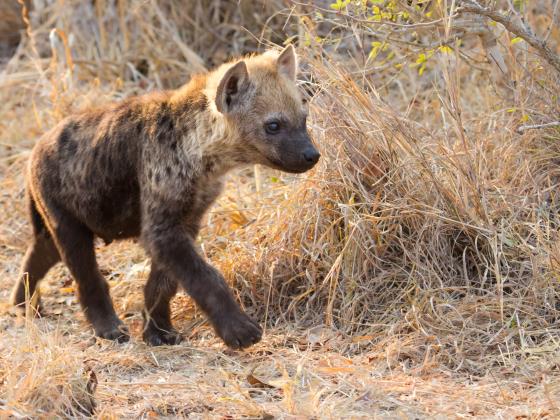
[[150, 167]]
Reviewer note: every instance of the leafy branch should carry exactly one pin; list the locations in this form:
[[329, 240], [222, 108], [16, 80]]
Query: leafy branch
[[516, 27]]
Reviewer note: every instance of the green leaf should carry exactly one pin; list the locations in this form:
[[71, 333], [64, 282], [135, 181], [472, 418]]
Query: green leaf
[[339, 5], [421, 58]]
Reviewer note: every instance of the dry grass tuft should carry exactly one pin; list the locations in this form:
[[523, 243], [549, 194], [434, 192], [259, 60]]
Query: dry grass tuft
[[40, 377], [413, 273], [443, 228]]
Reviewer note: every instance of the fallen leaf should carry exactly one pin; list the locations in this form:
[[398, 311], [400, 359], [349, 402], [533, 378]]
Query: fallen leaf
[[257, 383]]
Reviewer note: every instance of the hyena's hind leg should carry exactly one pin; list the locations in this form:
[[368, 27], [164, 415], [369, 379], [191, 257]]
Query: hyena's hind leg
[[75, 243], [41, 255], [158, 292]]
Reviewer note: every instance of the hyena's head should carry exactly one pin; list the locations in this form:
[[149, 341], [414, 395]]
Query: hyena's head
[[260, 101]]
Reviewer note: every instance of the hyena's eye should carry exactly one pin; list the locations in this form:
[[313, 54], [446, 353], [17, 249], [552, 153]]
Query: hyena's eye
[[272, 127]]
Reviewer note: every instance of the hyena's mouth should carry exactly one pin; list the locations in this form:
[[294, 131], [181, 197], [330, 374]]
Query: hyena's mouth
[[298, 168]]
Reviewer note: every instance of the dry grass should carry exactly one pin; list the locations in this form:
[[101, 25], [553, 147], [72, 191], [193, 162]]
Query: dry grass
[[413, 273]]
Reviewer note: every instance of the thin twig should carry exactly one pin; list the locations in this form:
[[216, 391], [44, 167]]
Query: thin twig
[[552, 21], [521, 129]]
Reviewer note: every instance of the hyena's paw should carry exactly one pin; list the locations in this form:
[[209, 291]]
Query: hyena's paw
[[114, 330], [238, 330], [154, 336]]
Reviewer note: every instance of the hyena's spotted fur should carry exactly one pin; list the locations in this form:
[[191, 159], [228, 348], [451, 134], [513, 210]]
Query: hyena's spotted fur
[[150, 167]]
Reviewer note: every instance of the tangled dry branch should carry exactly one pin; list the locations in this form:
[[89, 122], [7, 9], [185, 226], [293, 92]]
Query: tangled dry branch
[[516, 26]]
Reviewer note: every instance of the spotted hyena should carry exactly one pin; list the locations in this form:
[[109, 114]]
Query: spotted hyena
[[149, 167]]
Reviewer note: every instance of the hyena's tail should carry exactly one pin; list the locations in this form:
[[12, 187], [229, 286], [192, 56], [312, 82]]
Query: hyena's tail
[[37, 222]]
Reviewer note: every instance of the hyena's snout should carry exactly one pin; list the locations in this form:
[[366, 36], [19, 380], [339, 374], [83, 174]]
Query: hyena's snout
[[311, 155], [296, 153], [305, 154]]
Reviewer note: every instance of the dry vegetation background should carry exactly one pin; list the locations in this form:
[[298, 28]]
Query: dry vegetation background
[[413, 273]]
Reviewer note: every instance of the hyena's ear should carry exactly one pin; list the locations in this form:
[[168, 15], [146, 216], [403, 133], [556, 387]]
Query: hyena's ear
[[287, 62], [232, 87]]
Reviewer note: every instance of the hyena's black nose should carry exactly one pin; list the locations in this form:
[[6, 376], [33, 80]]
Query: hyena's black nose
[[311, 155]]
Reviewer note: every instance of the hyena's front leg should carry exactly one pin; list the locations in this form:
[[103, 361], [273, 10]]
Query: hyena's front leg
[[158, 292], [172, 249], [209, 289]]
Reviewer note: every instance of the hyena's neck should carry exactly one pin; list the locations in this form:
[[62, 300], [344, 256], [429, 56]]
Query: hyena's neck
[[206, 138]]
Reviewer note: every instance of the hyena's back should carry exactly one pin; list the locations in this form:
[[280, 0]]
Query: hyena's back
[[89, 164]]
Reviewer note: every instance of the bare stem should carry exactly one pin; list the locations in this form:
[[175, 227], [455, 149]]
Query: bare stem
[[523, 128]]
